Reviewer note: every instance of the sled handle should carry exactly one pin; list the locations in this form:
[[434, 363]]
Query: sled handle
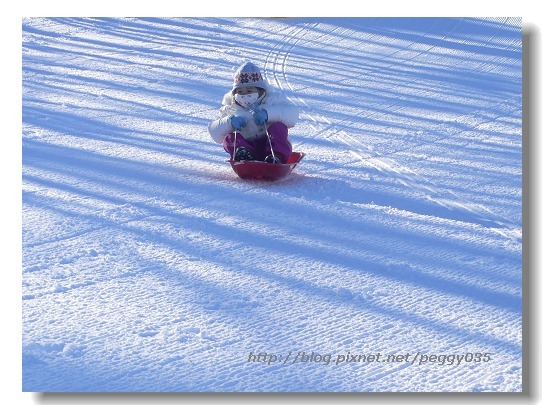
[[234, 144], [270, 144]]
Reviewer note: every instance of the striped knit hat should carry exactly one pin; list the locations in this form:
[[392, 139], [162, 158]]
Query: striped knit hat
[[248, 75]]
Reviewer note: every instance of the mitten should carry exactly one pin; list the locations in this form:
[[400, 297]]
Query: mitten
[[260, 117], [237, 123]]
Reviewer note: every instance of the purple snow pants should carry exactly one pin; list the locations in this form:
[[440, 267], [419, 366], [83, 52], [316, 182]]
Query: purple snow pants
[[278, 132]]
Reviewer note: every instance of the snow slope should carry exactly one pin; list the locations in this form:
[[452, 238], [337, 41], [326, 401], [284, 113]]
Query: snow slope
[[148, 266]]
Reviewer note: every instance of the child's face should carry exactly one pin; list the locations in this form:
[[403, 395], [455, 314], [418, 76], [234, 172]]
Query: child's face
[[247, 90]]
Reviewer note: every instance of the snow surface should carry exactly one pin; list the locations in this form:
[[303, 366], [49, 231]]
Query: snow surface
[[149, 266]]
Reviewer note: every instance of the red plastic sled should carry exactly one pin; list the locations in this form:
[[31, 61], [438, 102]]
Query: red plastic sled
[[256, 170]]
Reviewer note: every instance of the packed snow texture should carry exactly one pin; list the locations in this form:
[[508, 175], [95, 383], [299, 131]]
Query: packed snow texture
[[390, 260]]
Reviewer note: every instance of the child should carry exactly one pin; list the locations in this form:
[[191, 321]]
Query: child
[[251, 111]]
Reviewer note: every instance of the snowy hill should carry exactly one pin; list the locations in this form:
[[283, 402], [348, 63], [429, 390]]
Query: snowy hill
[[390, 260]]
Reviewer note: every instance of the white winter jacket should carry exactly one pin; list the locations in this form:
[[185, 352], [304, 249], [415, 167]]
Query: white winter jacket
[[278, 108]]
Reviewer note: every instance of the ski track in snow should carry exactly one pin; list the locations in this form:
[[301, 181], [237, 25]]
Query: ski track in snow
[[148, 266]]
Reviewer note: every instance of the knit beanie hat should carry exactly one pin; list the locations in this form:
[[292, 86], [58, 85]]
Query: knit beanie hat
[[248, 75]]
